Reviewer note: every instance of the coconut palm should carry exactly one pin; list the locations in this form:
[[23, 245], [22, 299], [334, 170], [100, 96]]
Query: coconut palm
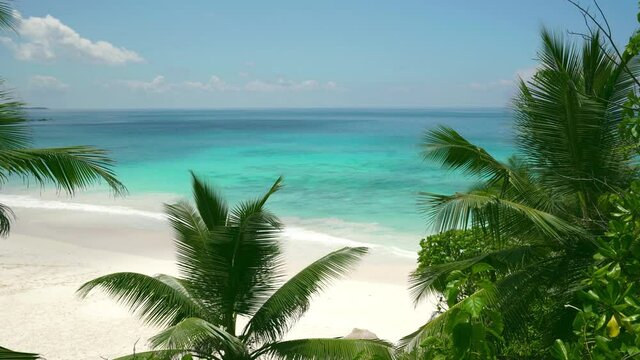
[[545, 202], [231, 266]]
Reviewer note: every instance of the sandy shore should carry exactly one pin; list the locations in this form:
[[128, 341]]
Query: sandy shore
[[52, 251]]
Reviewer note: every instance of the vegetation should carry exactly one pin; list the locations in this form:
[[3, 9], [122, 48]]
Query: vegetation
[[15, 355], [607, 321], [231, 266], [539, 260], [541, 210]]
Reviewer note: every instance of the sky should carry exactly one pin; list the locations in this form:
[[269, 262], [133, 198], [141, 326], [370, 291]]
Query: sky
[[282, 53]]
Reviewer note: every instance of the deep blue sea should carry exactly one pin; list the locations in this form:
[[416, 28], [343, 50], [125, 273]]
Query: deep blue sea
[[353, 173]]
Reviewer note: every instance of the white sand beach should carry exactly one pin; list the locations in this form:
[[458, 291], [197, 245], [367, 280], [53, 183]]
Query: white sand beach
[[53, 249]]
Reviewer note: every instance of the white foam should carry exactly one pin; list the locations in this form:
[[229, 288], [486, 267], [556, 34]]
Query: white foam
[[21, 201], [291, 233], [296, 233]]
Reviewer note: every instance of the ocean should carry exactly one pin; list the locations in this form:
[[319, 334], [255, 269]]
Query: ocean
[[351, 174]]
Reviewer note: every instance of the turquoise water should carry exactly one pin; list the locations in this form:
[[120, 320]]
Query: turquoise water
[[350, 173]]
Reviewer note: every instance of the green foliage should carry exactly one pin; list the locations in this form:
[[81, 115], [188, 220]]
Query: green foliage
[[607, 323], [6, 354], [538, 215], [451, 246], [473, 327], [7, 20], [231, 265]]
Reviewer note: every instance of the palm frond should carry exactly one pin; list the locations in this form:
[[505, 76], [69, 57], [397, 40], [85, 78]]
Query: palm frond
[[160, 300], [192, 333], [198, 256], [172, 354], [513, 295], [8, 21], [566, 124], [457, 211], [254, 256], [452, 151], [232, 267], [425, 281], [326, 349], [436, 326], [6, 216], [211, 206], [292, 299], [70, 168], [14, 133], [6, 354]]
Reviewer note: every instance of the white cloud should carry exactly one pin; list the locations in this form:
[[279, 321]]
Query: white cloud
[[157, 84], [45, 82], [288, 85], [47, 38], [527, 74], [491, 85], [217, 84], [524, 74]]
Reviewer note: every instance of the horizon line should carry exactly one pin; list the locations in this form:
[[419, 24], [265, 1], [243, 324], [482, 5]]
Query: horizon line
[[434, 107]]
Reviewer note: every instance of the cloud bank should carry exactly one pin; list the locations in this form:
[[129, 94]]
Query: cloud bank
[[47, 38], [216, 84], [45, 82], [524, 74]]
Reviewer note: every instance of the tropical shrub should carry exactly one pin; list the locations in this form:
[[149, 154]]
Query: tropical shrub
[[607, 322], [540, 211]]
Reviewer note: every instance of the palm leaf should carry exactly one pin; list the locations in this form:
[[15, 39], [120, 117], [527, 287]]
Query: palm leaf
[[424, 282], [254, 256], [565, 124], [330, 349], [156, 355], [70, 168], [13, 130], [452, 151], [513, 296], [211, 207], [192, 333], [6, 216], [292, 299], [8, 21], [160, 300], [448, 212], [6, 354]]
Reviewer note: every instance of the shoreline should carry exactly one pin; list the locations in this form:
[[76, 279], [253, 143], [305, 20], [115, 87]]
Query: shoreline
[[52, 251]]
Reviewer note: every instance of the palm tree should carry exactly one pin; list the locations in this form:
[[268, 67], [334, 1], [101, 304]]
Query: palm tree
[[70, 168], [231, 266], [545, 202]]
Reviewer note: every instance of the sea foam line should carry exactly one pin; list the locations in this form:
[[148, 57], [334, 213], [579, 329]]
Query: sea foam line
[[21, 201], [291, 233]]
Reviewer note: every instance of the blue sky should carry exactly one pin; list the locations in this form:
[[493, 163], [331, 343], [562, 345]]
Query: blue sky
[[210, 54]]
